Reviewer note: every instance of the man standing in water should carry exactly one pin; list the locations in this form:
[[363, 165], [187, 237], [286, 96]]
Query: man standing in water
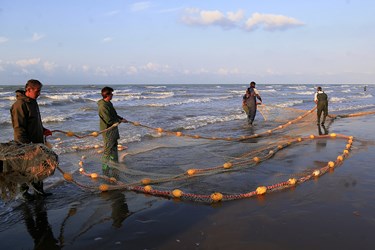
[[108, 117], [321, 100], [27, 126], [249, 99]]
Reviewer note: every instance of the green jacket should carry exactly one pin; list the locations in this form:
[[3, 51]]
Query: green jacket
[[26, 120], [108, 117]]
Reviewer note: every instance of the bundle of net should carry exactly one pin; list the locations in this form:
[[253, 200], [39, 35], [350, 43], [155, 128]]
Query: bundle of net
[[24, 163]]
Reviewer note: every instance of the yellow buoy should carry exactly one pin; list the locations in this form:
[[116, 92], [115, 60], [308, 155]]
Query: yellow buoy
[[177, 193], [179, 133], [269, 131], [348, 146], [112, 179], [83, 157], [312, 136], [345, 151], [94, 175], [331, 164], [75, 147], [68, 176], [292, 181], [96, 146], [271, 152], [280, 146], [227, 165], [299, 117], [333, 135], [81, 170], [95, 134], [191, 171], [216, 196], [261, 190], [197, 136], [80, 163], [69, 133], [103, 187], [350, 141], [289, 123], [351, 137], [147, 188], [136, 123], [299, 139], [316, 173], [256, 159], [340, 158], [255, 135], [99, 151], [146, 181], [281, 126], [160, 130]]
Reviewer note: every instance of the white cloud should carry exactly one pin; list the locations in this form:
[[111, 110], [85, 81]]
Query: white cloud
[[107, 39], [195, 16], [28, 62], [3, 39], [226, 72], [37, 37], [132, 70], [140, 6], [85, 68], [49, 66], [271, 22]]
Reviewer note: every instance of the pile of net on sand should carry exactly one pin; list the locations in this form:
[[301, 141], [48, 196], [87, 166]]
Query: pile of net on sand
[[24, 163]]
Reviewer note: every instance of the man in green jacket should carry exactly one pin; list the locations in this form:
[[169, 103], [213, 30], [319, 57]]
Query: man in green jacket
[[28, 127], [108, 117]]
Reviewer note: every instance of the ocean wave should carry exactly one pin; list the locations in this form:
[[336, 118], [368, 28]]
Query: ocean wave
[[201, 121], [55, 118], [188, 101], [311, 93], [289, 103], [337, 99], [155, 87], [353, 107]]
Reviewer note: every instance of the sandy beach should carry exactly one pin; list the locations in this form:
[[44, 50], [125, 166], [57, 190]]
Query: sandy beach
[[334, 211]]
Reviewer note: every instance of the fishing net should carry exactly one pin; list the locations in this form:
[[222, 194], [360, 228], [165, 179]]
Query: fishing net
[[187, 164], [24, 163]]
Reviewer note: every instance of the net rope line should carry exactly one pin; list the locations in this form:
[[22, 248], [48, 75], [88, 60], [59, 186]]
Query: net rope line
[[180, 134], [144, 185]]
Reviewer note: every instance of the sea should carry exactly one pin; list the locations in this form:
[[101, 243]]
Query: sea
[[205, 109]]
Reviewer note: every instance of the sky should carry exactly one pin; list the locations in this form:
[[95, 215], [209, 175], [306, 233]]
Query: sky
[[187, 42]]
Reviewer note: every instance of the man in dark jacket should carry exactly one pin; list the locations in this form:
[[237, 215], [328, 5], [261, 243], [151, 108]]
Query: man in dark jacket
[[108, 117], [27, 126], [321, 100]]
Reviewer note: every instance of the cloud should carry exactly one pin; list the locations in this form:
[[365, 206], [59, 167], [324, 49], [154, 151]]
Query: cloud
[[3, 39], [195, 16], [140, 6], [107, 39], [27, 62], [271, 22], [37, 37], [49, 66]]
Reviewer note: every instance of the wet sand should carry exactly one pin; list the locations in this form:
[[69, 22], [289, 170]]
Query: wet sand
[[335, 211]]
